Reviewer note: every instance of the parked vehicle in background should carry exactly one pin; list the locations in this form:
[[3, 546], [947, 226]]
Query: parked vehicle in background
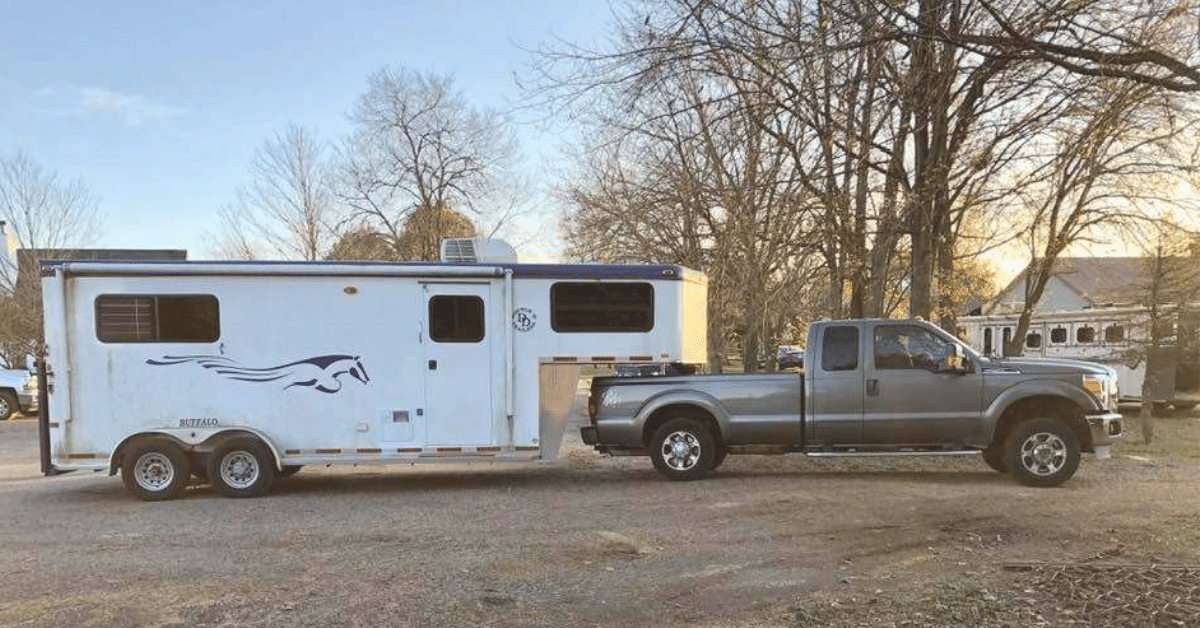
[[18, 391], [1117, 337], [869, 388], [789, 356]]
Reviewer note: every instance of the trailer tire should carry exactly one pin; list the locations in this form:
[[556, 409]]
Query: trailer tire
[[994, 457], [289, 470], [241, 467], [683, 449], [155, 469], [1041, 452], [8, 404]]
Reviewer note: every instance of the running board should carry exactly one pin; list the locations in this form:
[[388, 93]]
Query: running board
[[850, 454]]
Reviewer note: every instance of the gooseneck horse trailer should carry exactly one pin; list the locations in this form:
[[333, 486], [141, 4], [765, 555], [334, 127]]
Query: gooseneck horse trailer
[[240, 372]]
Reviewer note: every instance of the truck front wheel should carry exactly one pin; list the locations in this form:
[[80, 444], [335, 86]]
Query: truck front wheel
[[1042, 452], [683, 449]]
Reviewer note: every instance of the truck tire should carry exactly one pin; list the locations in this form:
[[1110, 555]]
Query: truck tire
[[718, 458], [683, 449], [8, 404], [241, 467], [155, 469], [994, 457], [1041, 452]]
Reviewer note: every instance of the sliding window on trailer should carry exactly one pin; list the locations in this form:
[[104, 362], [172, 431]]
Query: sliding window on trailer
[[577, 306], [124, 318]]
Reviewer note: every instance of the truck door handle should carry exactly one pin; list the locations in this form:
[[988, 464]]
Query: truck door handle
[[872, 388], [433, 365]]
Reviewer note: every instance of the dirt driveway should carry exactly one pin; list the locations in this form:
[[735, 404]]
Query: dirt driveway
[[590, 541]]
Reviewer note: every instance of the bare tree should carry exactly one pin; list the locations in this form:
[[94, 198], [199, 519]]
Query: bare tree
[[287, 209], [419, 144], [1170, 291], [41, 212]]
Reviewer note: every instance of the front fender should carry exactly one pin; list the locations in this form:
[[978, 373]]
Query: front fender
[[1026, 390]]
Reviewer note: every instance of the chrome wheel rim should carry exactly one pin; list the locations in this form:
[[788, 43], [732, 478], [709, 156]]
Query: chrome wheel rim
[[4, 407], [681, 451], [239, 469], [153, 471], [1043, 454]]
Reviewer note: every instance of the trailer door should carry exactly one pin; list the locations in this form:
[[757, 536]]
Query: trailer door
[[458, 364]]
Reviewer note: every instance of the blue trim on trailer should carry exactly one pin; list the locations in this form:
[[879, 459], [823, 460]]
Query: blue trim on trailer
[[527, 271]]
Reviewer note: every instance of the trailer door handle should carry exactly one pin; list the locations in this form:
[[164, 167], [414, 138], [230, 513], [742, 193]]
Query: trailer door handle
[[872, 388], [433, 365]]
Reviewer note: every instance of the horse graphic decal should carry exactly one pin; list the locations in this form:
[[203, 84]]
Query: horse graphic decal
[[323, 372]]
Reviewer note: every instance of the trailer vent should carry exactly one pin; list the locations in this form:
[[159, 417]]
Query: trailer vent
[[477, 251]]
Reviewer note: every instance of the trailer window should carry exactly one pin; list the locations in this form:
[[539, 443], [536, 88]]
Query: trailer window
[[1114, 333], [601, 307], [454, 318], [1033, 341], [1085, 335], [839, 348], [1058, 335], [157, 318]]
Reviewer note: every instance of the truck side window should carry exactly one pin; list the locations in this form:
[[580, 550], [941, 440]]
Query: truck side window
[[839, 348], [907, 347], [454, 318]]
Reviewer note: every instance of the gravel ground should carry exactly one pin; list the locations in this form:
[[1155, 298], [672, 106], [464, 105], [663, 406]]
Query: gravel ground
[[589, 541]]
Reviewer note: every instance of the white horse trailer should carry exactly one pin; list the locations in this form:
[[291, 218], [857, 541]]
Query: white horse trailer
[[1115, 336], [242, 371]]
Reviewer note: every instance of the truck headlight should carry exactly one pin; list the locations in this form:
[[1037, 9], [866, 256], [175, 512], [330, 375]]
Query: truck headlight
[[1105, 389]]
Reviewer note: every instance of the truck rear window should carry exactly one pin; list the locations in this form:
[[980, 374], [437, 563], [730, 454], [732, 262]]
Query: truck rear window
[[839, 348], [601, 307], [157, 318]]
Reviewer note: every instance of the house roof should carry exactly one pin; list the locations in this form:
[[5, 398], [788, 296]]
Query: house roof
[[1097, 280]]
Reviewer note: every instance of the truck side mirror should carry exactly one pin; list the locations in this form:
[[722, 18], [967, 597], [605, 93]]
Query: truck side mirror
[[954, 360]]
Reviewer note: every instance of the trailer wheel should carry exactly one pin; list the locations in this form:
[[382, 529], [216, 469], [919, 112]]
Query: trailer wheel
[[8, 404], [241, 467], [683, 449], [1042, 452], [155, 469], [994, 457]]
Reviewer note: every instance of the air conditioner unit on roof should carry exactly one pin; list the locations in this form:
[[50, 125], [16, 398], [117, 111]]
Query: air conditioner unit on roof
[[477, 251]]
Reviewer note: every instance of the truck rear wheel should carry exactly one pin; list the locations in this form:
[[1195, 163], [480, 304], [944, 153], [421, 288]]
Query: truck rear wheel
[[683, 449], [241, 467], [1042, 452], [155, 469]]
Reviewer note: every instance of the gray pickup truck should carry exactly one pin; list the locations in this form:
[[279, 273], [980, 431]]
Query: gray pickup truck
[[868, 387]]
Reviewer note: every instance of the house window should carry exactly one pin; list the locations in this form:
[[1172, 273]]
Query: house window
[[1058, 335], [1085, 335], [1033, 341], [455, 318], [157, 318], [1114, 333], [601, 307], [839, 349]]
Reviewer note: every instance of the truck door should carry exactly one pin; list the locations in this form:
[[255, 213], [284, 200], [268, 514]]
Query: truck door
[[458, 364], [907, 400], [835, 393]]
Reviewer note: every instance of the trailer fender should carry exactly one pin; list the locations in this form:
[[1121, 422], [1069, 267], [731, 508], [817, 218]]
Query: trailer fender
[[192, 439]]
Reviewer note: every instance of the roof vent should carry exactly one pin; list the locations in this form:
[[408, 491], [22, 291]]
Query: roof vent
[[477, 251]]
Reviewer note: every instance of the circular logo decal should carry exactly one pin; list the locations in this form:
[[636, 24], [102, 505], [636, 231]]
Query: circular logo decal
[[524, 319]]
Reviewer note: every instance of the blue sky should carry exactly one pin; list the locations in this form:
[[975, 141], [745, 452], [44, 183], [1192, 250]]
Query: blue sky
[[159, 105]]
